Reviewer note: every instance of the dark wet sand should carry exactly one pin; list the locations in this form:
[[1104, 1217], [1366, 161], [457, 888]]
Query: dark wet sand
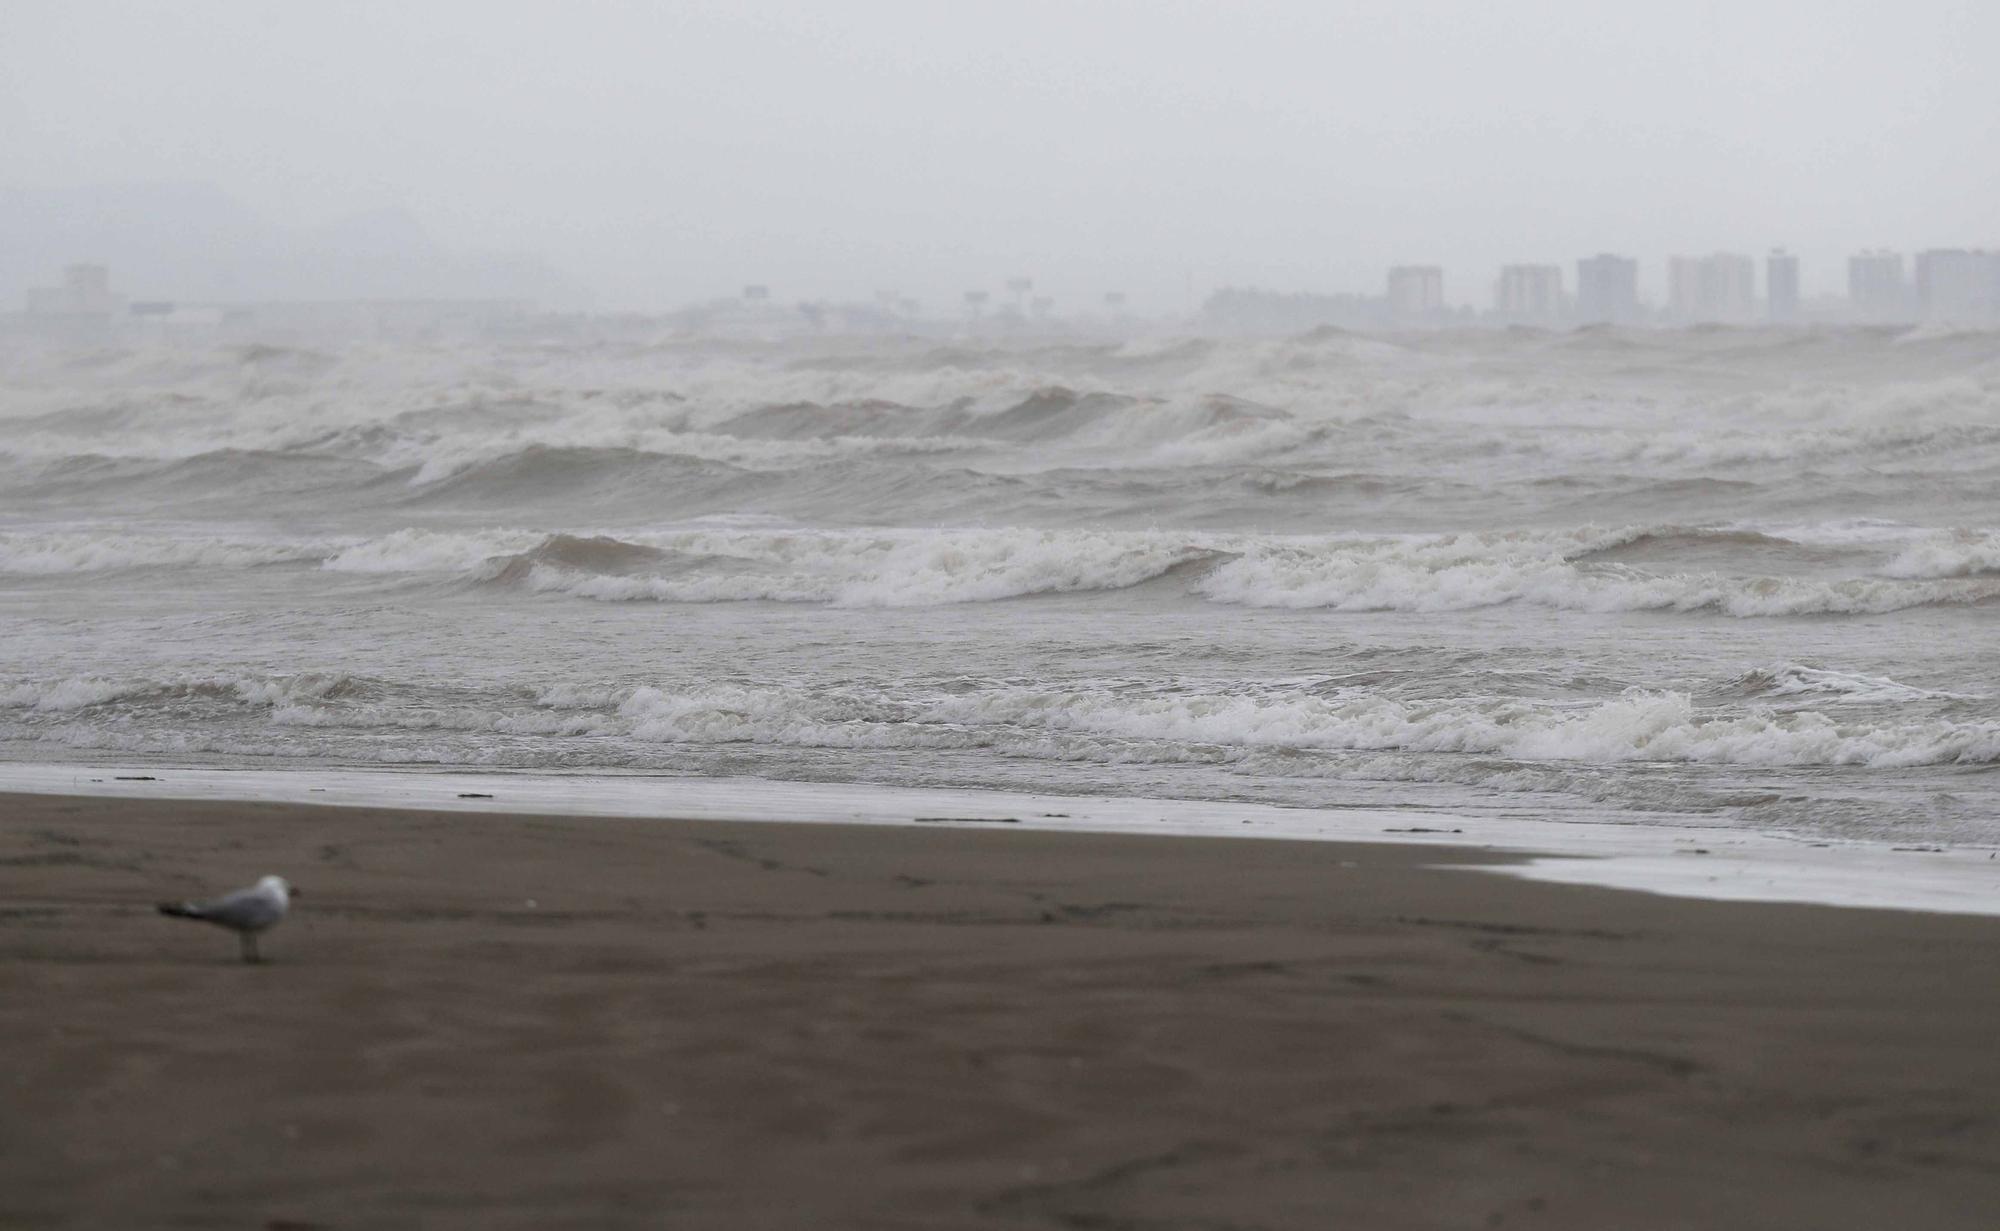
[[524, 1022]]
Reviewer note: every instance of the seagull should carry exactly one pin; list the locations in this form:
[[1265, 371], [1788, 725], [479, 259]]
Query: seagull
[[245, 912]]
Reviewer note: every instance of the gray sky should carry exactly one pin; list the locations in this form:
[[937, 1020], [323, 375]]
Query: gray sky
[[664, 152]]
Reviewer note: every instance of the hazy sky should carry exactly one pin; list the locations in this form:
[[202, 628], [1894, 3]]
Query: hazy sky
[[664, 152]]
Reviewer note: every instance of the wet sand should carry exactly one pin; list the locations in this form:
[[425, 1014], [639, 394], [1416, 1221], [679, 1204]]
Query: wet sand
[[491, 1021]]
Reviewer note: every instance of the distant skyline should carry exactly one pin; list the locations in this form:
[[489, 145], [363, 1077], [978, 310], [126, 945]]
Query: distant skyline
[[194, 242], [659, 154]]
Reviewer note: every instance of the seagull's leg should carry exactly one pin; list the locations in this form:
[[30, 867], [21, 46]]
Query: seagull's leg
[[249, 940]]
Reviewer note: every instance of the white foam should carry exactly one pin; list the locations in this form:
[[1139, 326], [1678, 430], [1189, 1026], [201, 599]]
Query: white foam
[[1822, 685], [53, 554], [1949, 553], [1462, 572], [1414, 573], [431, 551], [905, 568], [897, 570], [68, 694], [440, 461], [1681, 861], [1640, 726], [1111, 724]]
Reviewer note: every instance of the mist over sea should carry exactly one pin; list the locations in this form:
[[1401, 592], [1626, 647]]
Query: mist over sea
[[1731, 577]]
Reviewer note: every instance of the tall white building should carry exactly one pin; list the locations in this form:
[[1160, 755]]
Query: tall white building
[[1607, 290], [1781, 287], [1875, 287], [1416, 292], [1721, 288], [1529, 294], [1957, 284], [85, 292]]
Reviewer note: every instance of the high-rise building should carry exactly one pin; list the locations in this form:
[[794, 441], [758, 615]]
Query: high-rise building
[[85, 292], [1721, 288], [1530, 294], [1781, 287], [1684, 287], [1875, 287], [1607, 290], [1416, 292], [1956, 284], [1729, 287]]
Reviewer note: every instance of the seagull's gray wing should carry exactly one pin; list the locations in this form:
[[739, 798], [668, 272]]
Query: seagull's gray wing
[[246, 910]]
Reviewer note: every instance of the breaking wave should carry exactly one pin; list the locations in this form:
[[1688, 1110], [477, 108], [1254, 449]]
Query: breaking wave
[[1557, 569], [1587, 569], [1464, 572], [1640, 726], [43, 554], [82, 692], [1820, 684], [1955, 553], [1096, 722], [430, 551], [851, 570]]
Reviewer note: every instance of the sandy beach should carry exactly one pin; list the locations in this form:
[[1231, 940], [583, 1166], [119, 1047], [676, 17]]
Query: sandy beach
[[505, 1021]]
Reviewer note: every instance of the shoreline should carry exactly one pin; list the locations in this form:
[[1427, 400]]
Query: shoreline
[[1707, 862], [513, 1020]]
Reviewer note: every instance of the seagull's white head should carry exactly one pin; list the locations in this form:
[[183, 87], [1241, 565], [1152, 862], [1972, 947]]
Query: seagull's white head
[[278, 887]]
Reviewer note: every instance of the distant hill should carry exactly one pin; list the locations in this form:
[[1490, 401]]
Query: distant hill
[[192, 242]]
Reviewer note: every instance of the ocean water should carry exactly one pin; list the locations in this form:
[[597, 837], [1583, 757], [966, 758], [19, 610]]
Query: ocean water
[[1732, 579]]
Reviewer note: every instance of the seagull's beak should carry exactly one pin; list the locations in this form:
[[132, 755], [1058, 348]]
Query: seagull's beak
[[293, 891]]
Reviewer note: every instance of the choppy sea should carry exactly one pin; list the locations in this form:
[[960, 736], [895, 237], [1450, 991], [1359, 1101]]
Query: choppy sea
[[1737, 579]]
